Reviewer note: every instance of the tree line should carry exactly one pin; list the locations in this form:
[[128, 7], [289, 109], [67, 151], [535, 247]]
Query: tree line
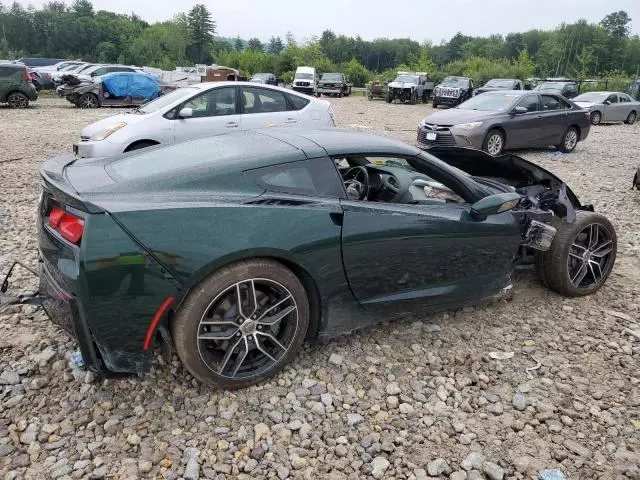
[[580, 49]]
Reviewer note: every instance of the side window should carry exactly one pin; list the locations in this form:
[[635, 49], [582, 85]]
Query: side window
[[7, 71], [518, 86], [550, 103], [261, 100], [570, 90], [99, 71], [530, 102], [624, 98], [317, 177], [213, 103], [298, 103], [612, 98]]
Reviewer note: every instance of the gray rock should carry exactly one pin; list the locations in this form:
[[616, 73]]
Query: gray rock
[[406, 408], [496, 408], [7, 377], [283, 472], [145, 466], [459, 475], [474, 461], [393, 389], [192, 471], [354, 419], [519, 401], [576, 448], [297, 462], [326, 399], [379, 466], [475, 475], [438, 467], [522, 464], [336, 359], [493, 471]]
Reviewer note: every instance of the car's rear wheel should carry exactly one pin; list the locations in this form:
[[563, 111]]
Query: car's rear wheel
[[581, 256], [494, 142], [631, 118], [17, 100], [414, 98], [388, 98], [595, 118], [435, 104], [242, 324], [569, 140], [88, 100]]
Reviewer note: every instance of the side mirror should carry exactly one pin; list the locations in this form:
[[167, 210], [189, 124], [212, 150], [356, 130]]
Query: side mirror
[[520, 110], [185, 113], [494, 204], [606, 102]]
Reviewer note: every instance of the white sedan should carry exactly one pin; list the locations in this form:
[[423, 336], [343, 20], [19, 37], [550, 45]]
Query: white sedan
[[201, 110], [609, 107]]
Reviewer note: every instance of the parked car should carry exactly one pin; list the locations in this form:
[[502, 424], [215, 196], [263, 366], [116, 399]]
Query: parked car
[[203, 109], [305, 80], [41, 81], [59, 66], [409, 87], [334, 84], [118, 89], [99, 70], [39, 62], [609, 107], [16, 87], [500, 84], [452, 91], [382, 229], [567, 88], [266, 78], [495, 121], [56, 77]]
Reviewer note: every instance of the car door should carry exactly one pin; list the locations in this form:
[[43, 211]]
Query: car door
[[622, 108], [524, 129], [265, 108], [404, 257], [214, 111], [626, 102], [611, 109], [555, 118], [6, 80]]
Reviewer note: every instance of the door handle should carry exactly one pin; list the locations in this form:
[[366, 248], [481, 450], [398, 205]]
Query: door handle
[[291, 120], [232, 125]]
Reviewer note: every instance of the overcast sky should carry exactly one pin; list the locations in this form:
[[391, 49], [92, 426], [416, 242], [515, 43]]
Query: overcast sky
[[417, 19]]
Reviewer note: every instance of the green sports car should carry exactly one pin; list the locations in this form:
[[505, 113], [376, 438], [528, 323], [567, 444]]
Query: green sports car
[[236, 249]]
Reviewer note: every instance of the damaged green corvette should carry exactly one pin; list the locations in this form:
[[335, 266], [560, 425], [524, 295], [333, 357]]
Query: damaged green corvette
[[236, 249]]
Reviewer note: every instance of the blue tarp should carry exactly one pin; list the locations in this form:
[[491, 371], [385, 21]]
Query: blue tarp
[[130, 84]]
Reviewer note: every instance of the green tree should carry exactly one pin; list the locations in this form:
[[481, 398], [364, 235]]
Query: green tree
[[84, 8], [201, 29], [255, 44], [616, 24], [238, 44], [275, 45], [356, 73]]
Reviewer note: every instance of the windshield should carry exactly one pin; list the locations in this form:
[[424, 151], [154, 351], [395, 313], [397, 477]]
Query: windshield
[[489, 102], [406, 79], [332, 77], [261, 76], [499, 84], [455, 82], [550, 86], [304, 76], [68, 68], [166, 100], [83, 68], [592, 97]]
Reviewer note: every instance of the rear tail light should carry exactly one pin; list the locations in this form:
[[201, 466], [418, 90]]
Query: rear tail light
[[25, 74], [68, 226]]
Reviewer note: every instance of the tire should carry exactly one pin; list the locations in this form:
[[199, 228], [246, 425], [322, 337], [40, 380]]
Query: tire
[[435, 104], [559, 267], [388, 99], [631, 118], [494, 142], [414, 98], [425, 97], [17, 100], [275, 288], [595, 118], [139, 146], [88, 100], [569, 140]]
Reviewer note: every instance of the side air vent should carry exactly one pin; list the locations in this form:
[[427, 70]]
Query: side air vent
[[278, 201], [393, 182]]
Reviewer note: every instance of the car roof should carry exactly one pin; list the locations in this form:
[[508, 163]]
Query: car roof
[[518, 93], [600, 93], [208, 85]]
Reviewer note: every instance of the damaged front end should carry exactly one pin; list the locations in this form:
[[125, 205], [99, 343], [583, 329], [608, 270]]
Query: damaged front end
[[546, 202]]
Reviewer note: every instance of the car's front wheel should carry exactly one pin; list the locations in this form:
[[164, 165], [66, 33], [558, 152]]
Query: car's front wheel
[[242, 324], [17, 100], [494, 142], [581, 256], [595, 117], [569, 140], [631, 118]]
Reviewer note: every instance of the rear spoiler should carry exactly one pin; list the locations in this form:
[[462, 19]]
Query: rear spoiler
[[54, 181]]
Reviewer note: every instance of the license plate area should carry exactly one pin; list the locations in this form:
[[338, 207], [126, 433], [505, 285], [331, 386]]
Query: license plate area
[[432, 136]]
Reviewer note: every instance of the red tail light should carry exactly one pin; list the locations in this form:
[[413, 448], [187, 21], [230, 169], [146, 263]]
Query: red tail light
[[25, 74], [69, 226]]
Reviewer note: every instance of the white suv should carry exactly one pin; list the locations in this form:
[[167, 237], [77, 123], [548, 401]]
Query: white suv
[[201, 110]]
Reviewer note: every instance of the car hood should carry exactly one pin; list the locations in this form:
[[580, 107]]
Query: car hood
[[489, 89], [401, 84], [455, 116], [586, 105], [128, 118]]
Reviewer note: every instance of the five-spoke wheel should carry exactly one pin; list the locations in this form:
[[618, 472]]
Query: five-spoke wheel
[[242, 324]]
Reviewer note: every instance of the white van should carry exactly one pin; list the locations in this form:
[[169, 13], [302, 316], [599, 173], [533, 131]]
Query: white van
[[305, 80]]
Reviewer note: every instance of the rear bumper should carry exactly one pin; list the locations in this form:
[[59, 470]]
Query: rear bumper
[[330, 90], [65, 311]]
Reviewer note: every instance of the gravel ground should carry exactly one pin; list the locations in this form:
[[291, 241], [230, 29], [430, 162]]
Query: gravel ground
[[415, 399]]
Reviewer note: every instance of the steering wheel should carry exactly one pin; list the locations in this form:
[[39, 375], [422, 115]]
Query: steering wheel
[[356, 182]]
